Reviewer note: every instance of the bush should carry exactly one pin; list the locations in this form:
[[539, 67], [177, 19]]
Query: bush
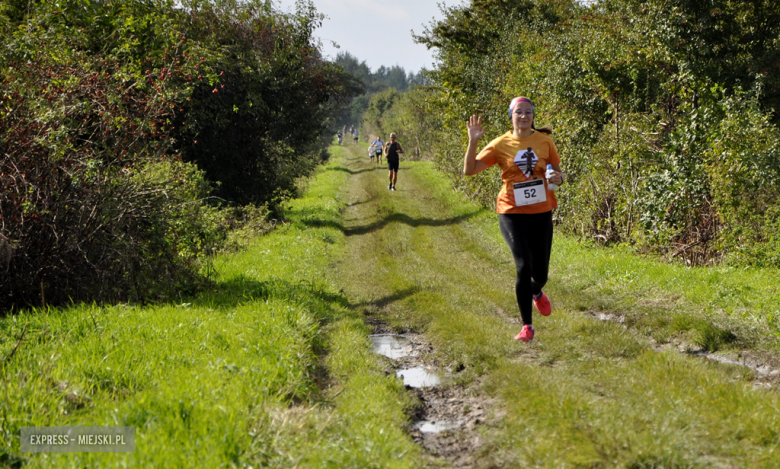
[[663, 114], [265, 120], [106, 108], [93, 206]]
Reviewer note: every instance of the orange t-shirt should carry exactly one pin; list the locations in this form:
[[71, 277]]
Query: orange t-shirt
[[513, 155]]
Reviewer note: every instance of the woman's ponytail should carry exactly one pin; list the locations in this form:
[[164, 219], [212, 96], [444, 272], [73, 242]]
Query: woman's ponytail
[[545, 129]]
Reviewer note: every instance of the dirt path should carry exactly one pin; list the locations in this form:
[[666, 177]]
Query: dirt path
[[427, 275], [380, 223]]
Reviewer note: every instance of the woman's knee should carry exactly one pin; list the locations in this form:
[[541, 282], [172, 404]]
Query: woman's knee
[[539, 279]]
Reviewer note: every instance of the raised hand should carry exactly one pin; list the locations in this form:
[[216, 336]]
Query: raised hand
[[474, 126]]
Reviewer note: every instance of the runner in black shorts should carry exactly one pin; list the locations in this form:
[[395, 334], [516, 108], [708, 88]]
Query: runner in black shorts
[[392, 151]]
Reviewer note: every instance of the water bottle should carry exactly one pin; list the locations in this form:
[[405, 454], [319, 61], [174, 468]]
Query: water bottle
[[548, 175]]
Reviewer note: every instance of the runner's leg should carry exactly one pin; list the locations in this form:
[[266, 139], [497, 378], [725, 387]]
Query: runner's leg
[[540, 244], [514, 229]]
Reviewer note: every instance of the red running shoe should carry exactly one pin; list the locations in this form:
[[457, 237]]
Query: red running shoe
[[543, 304], [527, 334]]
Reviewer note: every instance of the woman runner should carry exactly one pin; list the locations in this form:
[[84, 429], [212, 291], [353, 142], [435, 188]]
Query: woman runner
[[524, 204]]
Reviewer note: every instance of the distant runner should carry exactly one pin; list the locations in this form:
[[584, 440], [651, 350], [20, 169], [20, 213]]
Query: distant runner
[[392, 151], [372, 152], [340, 136], [355, 134], [524, 204], [378, 147]]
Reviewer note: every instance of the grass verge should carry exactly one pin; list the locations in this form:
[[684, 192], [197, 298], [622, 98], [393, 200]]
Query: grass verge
[[270, 368]]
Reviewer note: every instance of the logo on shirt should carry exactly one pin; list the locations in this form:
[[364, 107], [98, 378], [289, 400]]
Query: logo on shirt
[[526, 161]]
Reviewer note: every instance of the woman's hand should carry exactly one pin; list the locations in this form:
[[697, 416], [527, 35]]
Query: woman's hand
[[474, 126], [556, 176], [471, 165]]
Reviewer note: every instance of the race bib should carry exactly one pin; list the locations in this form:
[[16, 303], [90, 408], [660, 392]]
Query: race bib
[[530, 192]]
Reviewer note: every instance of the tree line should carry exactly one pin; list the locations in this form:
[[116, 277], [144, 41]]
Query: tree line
[[128, 130], [664, 112], [386, 80]]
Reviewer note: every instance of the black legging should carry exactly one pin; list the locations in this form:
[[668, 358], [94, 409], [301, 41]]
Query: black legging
[[530, 239]]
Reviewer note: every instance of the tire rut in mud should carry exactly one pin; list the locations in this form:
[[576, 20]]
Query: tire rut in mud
[[449, 420], [449, 417]]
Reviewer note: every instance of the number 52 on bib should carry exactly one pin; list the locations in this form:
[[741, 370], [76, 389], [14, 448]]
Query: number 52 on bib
[[530, 192]]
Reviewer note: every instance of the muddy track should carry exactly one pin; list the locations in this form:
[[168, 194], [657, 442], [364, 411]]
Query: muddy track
[[766, 367], [448, 419]]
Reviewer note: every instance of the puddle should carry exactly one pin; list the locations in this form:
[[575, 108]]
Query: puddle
[[447, 421], [392, 346], [418, 377], [428, 426]]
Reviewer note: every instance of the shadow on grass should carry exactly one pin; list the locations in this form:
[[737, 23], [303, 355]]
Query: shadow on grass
[[406, 219], [350, 171], [361, 202], [397, 296], [394, 218], [241, 289]]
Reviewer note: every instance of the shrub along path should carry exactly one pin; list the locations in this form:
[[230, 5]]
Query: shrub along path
[[604, 384]]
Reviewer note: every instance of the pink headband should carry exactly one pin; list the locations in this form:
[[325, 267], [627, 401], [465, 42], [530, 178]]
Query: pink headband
[[514, 102]]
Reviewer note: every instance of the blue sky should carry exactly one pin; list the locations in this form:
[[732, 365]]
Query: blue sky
[[377, 31]]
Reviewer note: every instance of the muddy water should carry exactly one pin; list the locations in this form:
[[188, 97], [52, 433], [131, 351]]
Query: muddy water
[[415, 374], [419, 377], [428, 426], [391, 346]]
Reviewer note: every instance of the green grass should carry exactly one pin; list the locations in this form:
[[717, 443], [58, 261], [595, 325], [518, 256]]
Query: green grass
[[716, 307], [270, 368], [585, 393]]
